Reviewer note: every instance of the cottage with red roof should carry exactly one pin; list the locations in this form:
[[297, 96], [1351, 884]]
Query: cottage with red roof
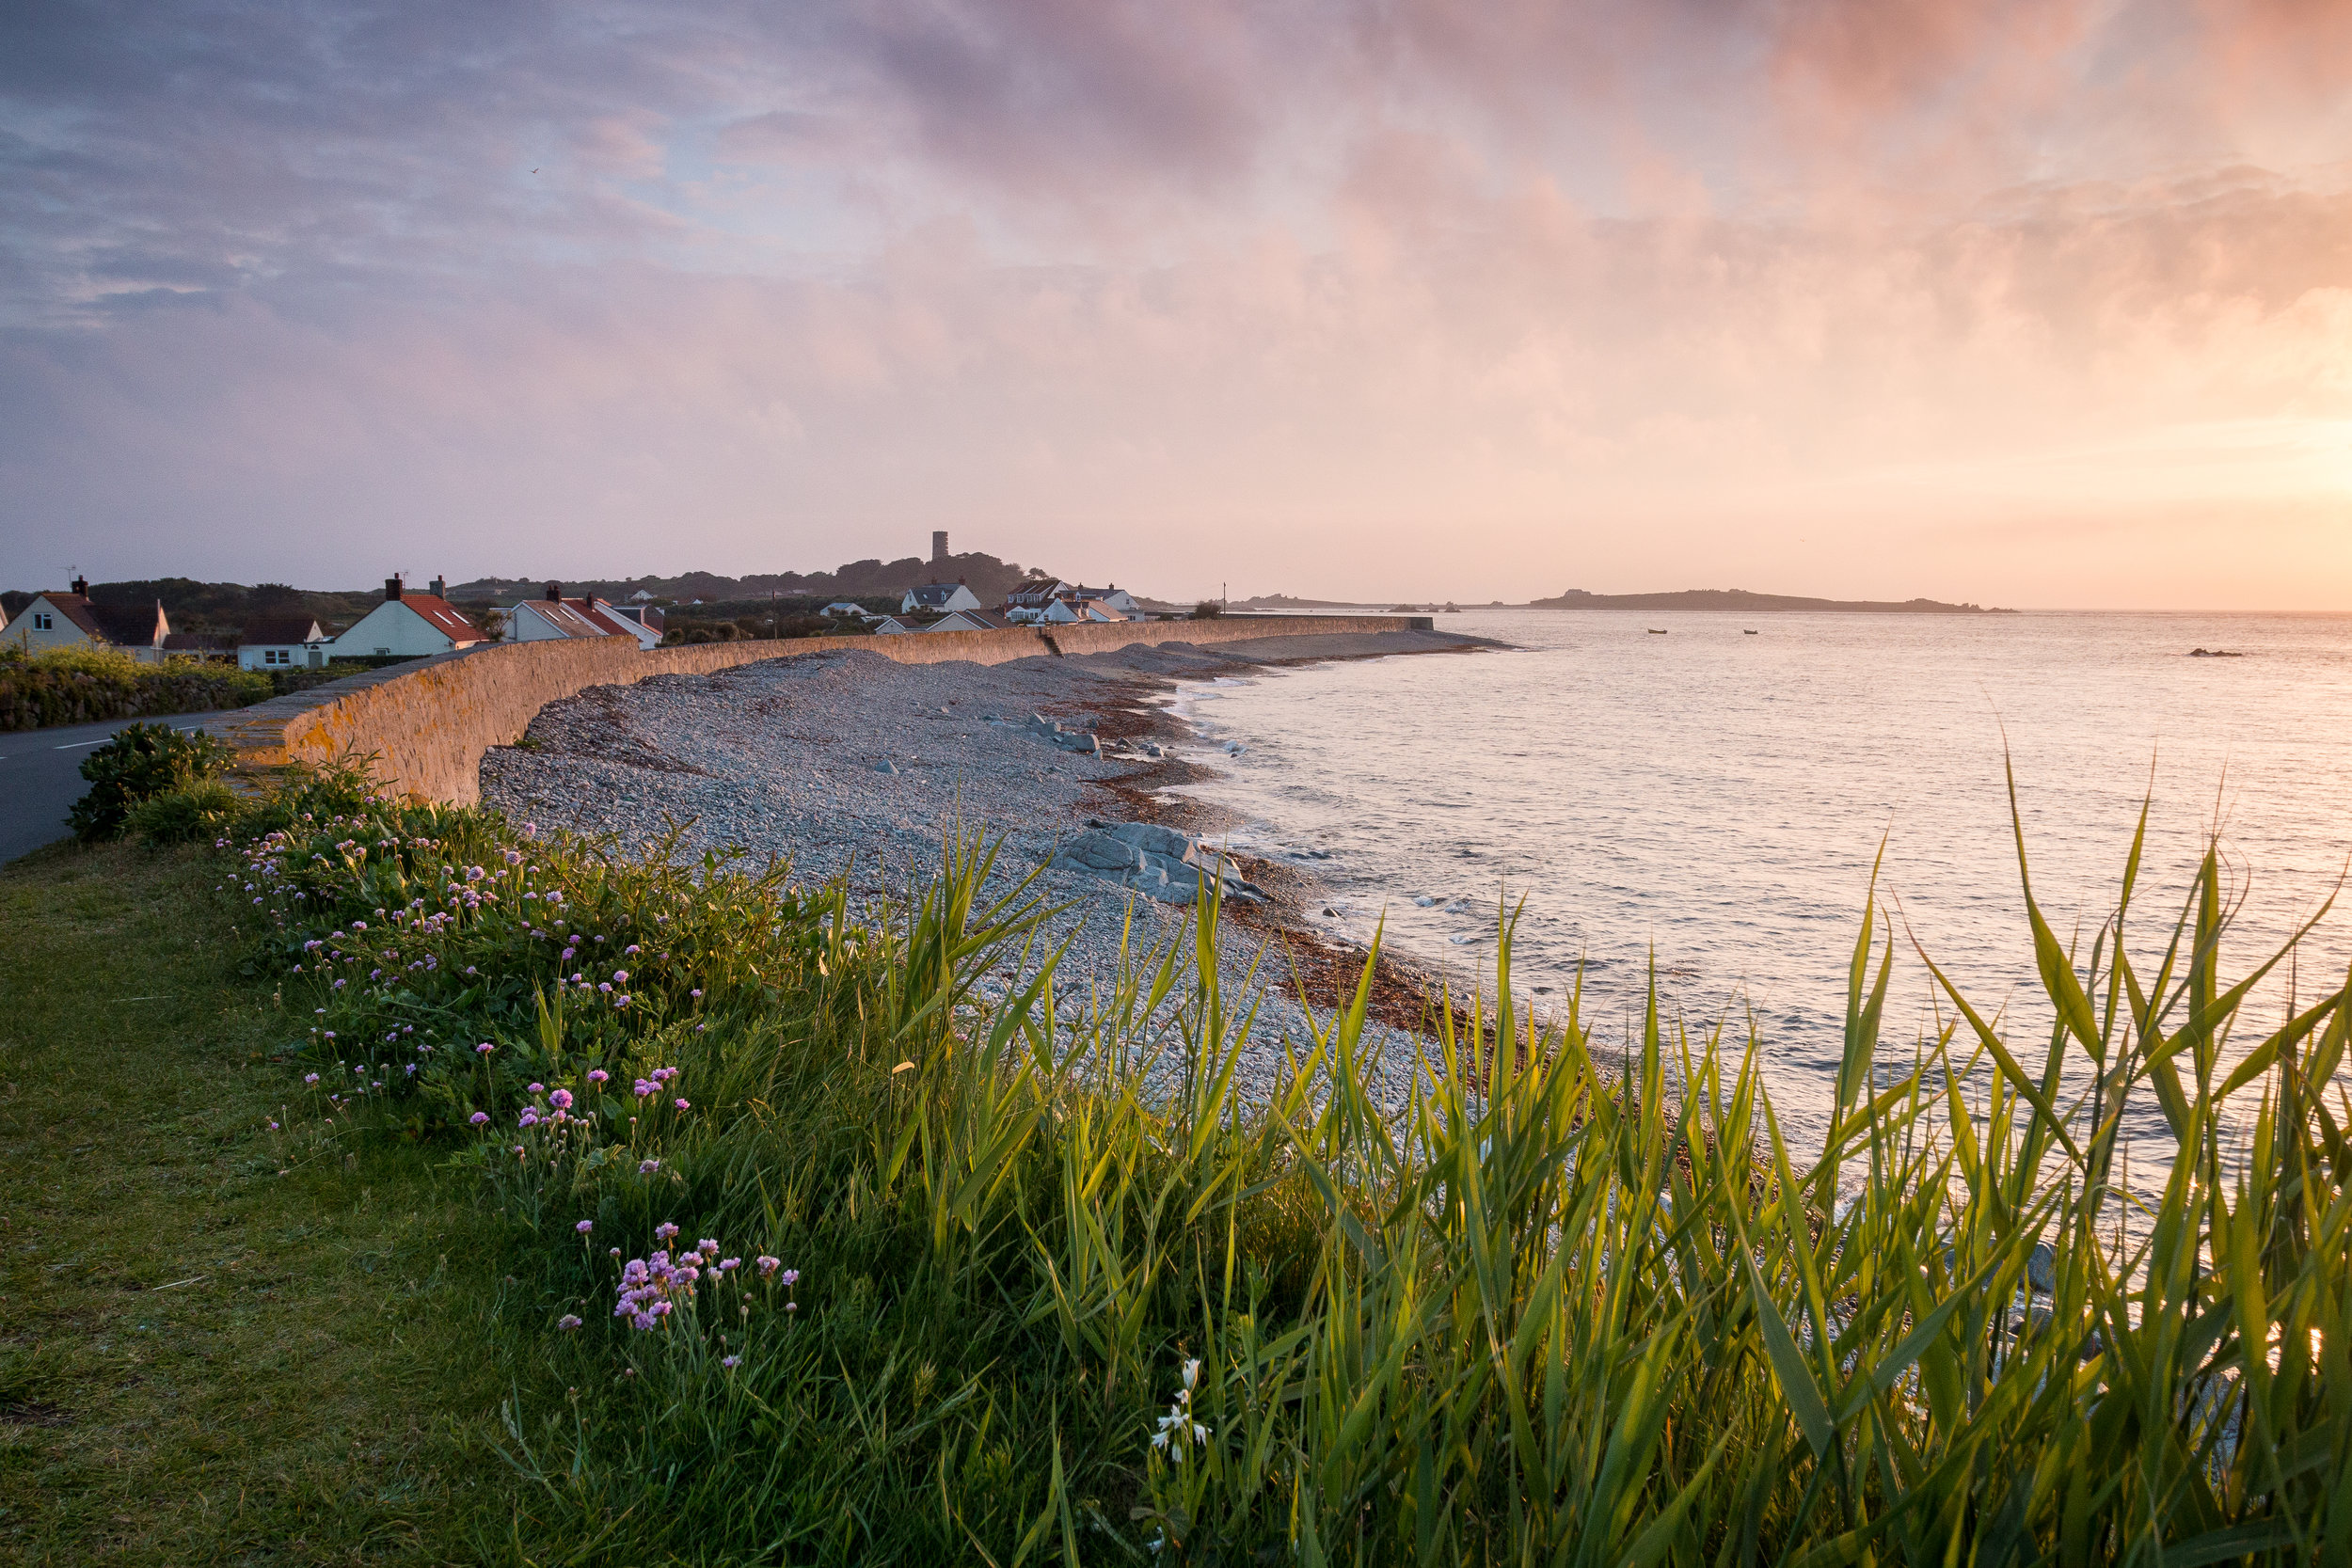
[[69, 619], [408, 623]]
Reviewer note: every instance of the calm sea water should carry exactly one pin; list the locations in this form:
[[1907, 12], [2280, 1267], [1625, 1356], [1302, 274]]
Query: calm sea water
[[1717, 798]]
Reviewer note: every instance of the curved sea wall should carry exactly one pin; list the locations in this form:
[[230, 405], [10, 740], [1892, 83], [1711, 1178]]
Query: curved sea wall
[[427, 724]]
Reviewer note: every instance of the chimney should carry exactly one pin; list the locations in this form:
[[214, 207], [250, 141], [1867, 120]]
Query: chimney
[[392, 590], [440, 588], [961, 584], [939, 547], [555, 592], [80, 586]]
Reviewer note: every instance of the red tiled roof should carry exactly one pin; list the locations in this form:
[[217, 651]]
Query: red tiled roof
[[601, 616], [442, 617]]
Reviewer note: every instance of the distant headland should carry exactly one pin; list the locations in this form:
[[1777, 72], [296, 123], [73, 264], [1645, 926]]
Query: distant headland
[[1739, 599]]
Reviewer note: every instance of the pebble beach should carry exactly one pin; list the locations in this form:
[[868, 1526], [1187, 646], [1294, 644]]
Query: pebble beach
[[848, 764]]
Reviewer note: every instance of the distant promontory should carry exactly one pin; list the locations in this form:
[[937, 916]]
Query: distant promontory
[[1739, 599]]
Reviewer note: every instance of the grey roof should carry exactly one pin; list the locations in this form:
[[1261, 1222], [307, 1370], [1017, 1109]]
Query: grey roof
[[282, 630]]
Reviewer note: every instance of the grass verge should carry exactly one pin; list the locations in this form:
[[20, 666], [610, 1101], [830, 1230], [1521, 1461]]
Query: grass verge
[[215, 1345]]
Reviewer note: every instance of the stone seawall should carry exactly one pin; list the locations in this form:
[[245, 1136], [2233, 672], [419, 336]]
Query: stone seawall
[[426, 725]]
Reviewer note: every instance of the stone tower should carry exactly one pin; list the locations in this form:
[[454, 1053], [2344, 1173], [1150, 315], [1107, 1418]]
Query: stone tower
[[939, 547]]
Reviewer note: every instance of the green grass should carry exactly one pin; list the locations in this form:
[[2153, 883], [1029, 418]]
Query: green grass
[[214, 1346], [1046, 1289]]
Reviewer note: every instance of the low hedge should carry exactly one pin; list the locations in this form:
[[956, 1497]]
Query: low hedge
[[90, 687]]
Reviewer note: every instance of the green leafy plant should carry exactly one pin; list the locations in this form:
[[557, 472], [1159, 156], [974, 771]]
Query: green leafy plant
[[141, 762], [202, 811]]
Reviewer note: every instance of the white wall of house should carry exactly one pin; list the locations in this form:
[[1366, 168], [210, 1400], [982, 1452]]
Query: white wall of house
[[280, 655]]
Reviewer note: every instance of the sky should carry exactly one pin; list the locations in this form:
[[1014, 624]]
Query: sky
[[2041, 303]]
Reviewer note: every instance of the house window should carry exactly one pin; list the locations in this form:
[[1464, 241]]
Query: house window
[[43, 621], [275, 655]]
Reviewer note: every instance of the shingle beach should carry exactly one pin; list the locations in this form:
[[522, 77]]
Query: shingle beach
[[848, 762]]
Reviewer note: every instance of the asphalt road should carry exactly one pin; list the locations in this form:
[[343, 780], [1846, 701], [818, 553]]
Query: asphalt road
[[40, 777]]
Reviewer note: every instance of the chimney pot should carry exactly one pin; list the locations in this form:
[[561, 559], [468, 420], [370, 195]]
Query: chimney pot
[[555, 592], [392, 590], [440, 588], [80, 586]]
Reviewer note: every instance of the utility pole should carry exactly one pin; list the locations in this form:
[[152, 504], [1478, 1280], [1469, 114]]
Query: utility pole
[[772, 615]]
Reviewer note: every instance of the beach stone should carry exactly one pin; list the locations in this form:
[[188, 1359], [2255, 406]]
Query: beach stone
[[885, 766], [1154, 839], [1099, 853]]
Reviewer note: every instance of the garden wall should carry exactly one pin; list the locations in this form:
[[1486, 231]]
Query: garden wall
[[428, 723]]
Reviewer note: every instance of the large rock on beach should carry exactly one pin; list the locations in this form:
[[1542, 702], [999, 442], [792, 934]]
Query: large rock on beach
[[1156, 861]]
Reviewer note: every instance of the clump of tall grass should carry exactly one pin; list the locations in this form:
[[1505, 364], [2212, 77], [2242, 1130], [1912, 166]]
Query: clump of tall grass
[[1559, 1310]]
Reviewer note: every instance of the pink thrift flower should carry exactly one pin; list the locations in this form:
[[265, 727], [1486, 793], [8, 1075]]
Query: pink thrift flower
[[479, 1117], [584, 1226]]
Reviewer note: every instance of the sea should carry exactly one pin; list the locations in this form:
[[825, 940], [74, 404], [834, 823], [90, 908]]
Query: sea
[[1704, 797]]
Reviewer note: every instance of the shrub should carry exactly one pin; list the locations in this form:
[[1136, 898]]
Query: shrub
[[201, 811], [1207, 610], [140, 763]]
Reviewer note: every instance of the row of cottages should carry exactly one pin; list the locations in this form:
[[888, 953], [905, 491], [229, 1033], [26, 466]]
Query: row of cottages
[[405, 624], [953, 607], [552, 615], [1063, 604]]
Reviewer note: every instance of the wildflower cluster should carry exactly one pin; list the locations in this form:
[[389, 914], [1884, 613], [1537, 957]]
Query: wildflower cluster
[[653, 1288]]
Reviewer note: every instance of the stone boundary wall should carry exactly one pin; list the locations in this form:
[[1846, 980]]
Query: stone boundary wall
[[428, 723]]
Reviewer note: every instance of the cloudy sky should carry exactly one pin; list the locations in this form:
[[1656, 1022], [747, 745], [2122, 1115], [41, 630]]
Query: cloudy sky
[[2033, 302]]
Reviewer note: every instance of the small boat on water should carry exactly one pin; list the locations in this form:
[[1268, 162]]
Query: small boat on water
[[1658, 631], [1746, 632]]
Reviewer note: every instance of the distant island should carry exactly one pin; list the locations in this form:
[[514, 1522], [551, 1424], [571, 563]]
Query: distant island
[[1739, 599]]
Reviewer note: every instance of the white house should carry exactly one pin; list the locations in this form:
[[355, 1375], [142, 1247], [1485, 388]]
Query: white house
[[844, 610], [407, 624], [1033, 598], [938, 598], [1114, 596], [971, 620], [281, 643], [1063, 612], [890, 625], [69, 619]]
